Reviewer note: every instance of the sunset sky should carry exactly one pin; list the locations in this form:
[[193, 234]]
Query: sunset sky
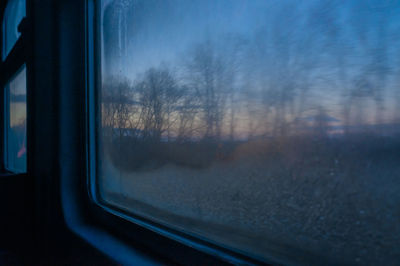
[[332, 53]]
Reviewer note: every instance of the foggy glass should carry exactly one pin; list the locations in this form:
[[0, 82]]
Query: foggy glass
[[16, 123], [271, 127], [13, 14]]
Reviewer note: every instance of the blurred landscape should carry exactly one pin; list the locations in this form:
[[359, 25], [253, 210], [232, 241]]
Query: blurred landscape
[[272, 127], [305, 198]]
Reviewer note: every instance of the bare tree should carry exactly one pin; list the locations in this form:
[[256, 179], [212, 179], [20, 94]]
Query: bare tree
[[369, 82], [117, 106], [208, 76], [188, 111], [158, 96]]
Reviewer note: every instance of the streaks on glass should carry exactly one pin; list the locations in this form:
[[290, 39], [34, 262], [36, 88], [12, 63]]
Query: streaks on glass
[[276, 120]]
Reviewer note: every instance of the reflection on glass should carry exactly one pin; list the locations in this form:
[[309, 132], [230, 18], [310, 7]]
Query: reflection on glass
[[272, 127], [14, 13], [16, 125]]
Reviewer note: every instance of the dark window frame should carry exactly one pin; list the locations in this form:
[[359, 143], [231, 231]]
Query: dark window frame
[[17, 187], [146, 238], [60, 101]]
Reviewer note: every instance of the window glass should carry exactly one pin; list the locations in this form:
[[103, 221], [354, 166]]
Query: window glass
[[14, 13], [16, 123], [271, 127]]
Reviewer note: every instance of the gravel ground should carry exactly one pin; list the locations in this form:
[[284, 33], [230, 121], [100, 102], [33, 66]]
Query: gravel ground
[[336, 213]]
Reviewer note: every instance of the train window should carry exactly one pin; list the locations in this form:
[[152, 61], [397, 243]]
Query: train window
[[14, 13], [15, 135], [269, 127], [14, 90]]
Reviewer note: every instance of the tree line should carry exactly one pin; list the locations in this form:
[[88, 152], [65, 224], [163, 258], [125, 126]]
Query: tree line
[[301, 71]]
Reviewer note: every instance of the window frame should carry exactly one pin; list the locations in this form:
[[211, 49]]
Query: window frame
[[59, 102], [18, 184], [62, 196], [136, 230]]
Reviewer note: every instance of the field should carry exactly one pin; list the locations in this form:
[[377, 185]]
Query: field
[[298, 200]]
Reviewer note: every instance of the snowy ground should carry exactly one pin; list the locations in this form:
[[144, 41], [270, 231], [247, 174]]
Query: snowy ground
[[334, 213]]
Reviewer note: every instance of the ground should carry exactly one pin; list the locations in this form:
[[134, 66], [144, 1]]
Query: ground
[[307, 202]]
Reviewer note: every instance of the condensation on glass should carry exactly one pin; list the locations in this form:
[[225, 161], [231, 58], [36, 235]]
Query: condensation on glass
[[13, 15], [271, 127], [15, 122]]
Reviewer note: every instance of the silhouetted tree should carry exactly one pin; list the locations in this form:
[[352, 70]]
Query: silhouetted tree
[[159, 96]]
